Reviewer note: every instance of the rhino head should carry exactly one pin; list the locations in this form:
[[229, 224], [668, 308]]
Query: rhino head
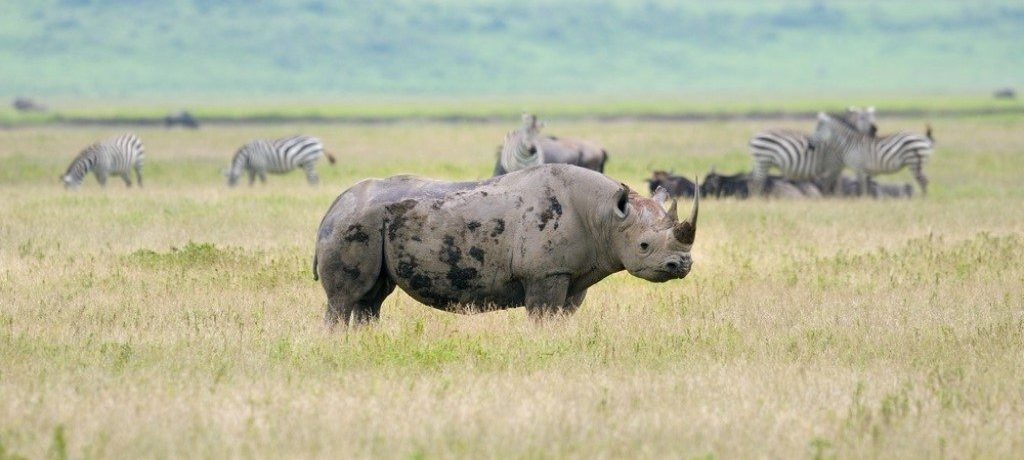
[[652, 243]]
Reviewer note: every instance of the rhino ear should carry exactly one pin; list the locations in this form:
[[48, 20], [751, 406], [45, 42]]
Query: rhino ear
[[622, 203], [673, 212]]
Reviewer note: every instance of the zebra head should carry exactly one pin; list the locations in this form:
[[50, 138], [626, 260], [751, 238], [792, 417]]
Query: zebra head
[[79, 167], [235, 171], [863, 120], [519, 149]]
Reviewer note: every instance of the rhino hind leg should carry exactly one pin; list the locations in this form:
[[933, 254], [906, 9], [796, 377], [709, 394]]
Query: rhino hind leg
[[365, 309], [350, 261]]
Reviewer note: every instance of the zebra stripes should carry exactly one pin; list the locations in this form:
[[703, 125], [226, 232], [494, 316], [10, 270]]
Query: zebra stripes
[[519, 151], [280, 156], [115, 156], [869, 156], [795, 155]]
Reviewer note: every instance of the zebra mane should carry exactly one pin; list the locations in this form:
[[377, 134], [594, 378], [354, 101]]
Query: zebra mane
[[842, 119]]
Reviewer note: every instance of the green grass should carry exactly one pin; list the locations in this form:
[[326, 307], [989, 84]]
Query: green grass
[[181, 320]]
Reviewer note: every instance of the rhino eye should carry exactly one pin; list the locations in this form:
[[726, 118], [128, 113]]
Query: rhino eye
[[644, 246]]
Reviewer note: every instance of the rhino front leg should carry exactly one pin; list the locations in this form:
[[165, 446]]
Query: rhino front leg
[[547, 296]]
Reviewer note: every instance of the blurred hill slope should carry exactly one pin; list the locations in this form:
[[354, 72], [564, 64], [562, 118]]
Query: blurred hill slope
[[186, 47]]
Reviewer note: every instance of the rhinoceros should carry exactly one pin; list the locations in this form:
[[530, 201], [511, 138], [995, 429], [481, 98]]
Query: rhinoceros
[[535, 238], [526, 146]]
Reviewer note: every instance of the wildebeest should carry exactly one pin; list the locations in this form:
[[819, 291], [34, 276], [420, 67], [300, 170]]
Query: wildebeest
[[676, 186], [182, 118], [739, 186], [24, 104], [849, 187], [1004, 93], [536, 238], [526, 146]]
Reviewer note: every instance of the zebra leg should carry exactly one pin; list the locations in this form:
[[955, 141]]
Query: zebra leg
[[311, 176], [757, 179], [922, 180], [862, 184], [126, 176], [252, 177], [263, 177], [138, 175], [101, 177]]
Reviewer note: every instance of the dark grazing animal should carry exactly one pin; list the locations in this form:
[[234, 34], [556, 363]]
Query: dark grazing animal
[[182, 118], [24, 104], [676, 186], [118, 156], [850, 188], [740, 185], [536, 238]]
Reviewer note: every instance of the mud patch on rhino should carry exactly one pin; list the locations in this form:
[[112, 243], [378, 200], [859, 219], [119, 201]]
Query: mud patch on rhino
[[397, 219], [499, 227], [461, 278], [552, 212], [477, 254], [352, 271], [472, 225], [355, 233]]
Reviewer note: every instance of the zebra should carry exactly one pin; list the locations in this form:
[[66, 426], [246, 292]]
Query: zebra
[[280, 156], [519, 151], [870, 156], [795, 155], [117, 156]]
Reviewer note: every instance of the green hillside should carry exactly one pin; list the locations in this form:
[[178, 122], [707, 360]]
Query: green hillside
[[140, 49]]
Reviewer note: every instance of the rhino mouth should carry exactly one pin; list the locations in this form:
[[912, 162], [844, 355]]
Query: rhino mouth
[[657, 275]]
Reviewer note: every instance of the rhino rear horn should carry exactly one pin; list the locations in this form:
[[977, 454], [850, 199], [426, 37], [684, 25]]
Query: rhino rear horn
[[686, 231], [660, 195]]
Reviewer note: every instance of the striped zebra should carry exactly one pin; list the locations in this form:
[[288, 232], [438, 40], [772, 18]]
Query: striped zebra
[[797, 158], [116, 156], [519, 151], [870, 156], [280, 156]]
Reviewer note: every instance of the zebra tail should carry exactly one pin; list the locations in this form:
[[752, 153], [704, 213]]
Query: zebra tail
[[330, 158], [928, 132]]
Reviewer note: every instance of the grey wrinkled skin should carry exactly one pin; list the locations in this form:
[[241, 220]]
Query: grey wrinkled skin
[[536, 238]]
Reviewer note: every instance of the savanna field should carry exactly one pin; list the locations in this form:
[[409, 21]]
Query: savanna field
[[182, 320]]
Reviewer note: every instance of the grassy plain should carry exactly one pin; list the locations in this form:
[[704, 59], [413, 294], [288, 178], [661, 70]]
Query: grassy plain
[[181, 320]]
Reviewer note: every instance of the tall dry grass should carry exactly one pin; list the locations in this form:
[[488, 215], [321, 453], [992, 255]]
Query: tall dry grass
[[181, 320]]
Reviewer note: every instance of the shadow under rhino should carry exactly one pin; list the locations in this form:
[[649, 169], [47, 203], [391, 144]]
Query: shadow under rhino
[[536, 238]]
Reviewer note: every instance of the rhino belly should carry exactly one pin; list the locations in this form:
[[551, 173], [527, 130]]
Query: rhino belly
[[448, 261]]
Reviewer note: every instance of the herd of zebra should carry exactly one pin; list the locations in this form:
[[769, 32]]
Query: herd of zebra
[[120, 155], [811, 164]]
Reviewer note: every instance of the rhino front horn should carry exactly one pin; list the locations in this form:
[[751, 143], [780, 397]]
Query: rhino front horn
[[685, 231]]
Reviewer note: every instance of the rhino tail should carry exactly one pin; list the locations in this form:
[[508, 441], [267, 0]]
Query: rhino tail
[[316, 273], [330, 158], [604, 159]]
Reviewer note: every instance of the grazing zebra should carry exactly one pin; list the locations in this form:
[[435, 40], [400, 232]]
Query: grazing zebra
[[519, 150], [117, 156], [260, 156], [869, 156], [793, 153]]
